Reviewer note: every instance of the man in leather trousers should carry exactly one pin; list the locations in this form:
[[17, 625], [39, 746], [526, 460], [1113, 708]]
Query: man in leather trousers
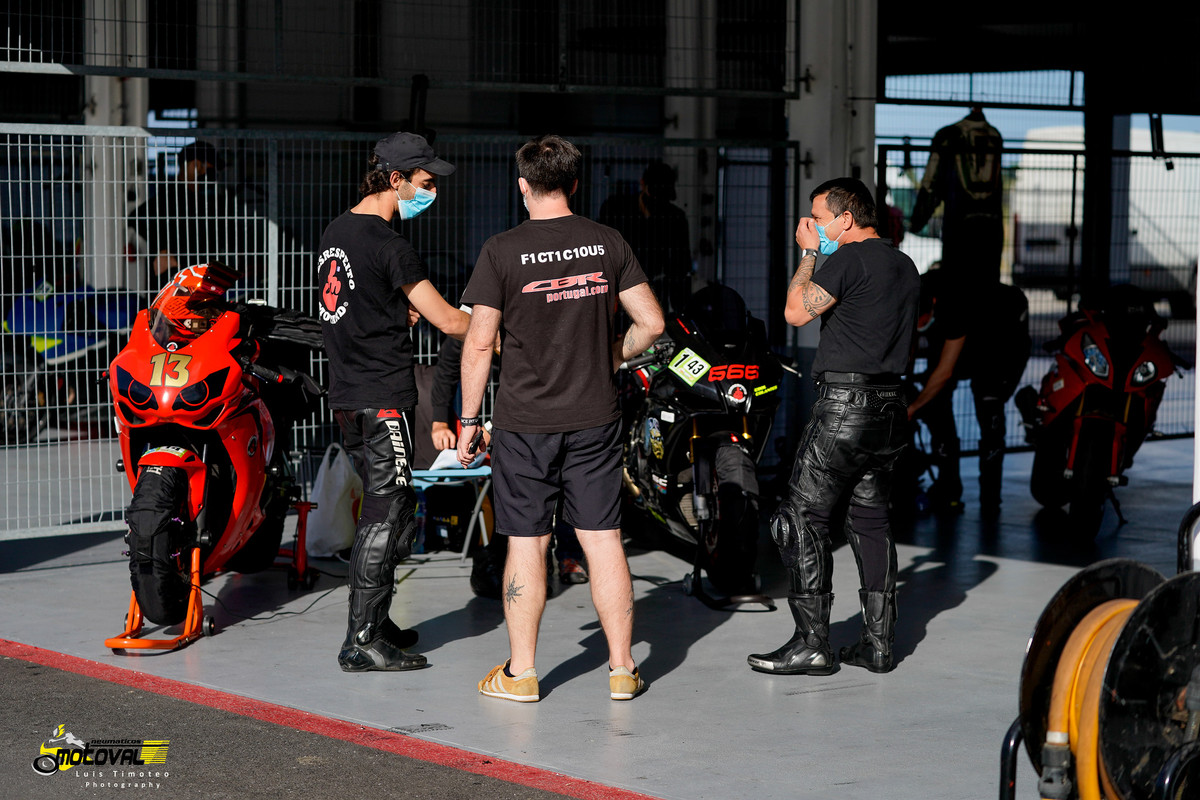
[[372, 287], [866, 295]]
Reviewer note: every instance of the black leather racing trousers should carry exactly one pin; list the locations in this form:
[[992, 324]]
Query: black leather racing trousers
[[380, 445], [848, 452]]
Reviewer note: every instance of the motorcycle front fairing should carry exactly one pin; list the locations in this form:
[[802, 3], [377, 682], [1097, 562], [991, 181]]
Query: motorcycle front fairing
[[716, 392], [195, 396]]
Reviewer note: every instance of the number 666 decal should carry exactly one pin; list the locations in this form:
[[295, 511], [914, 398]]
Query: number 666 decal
[[733, 372]]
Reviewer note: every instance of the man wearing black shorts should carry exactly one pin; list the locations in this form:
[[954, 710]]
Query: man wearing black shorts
[[372, 283], [866, 296], [550, 288]]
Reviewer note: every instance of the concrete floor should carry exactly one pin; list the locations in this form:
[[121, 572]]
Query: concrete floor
[[708, 727]]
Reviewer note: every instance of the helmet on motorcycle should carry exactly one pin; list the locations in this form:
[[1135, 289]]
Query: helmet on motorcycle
[[186, 307]]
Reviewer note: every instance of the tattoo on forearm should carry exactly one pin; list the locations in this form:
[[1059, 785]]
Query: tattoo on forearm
[[816, 299], [512, 591], [813, 297]]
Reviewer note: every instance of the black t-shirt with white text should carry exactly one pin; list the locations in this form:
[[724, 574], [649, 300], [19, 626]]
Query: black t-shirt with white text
[[361, 267], [555, 282]]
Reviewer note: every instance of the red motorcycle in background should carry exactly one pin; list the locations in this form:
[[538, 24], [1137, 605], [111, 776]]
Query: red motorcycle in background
[[203, 424], [1097, 404]]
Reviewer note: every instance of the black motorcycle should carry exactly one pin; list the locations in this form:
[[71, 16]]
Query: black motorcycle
[[699, 410]]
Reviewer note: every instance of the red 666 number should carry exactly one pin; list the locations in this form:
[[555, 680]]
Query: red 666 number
[[733, 372]]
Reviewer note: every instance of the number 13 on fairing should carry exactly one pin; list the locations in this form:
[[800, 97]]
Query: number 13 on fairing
[[688, 366], [170, 369]]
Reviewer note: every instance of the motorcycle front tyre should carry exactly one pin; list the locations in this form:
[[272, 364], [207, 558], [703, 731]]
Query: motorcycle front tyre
[[1093, 459], [732, 564], [158, 544]]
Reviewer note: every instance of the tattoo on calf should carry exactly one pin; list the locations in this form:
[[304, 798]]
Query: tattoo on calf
[[512, 591]]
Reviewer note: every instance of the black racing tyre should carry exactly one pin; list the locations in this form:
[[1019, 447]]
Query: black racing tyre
[[159, 543], [1089, 485], [732, 563]]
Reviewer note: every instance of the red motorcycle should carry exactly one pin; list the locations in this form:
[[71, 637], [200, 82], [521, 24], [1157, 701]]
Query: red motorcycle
[[1097, 404], [203, 423]]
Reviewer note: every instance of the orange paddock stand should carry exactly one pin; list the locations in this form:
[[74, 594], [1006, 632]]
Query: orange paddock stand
[[195, 624], [299, 574]]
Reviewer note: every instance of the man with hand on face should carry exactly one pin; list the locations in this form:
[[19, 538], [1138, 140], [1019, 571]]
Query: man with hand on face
[[550, 287], [866, 296], [372, 283]]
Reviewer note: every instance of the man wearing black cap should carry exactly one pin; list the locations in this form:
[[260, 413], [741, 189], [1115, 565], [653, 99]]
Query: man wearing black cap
[[369, 278]]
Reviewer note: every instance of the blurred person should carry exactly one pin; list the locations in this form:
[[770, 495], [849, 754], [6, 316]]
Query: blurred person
[[550, 287], [865, 294], [371, 280], [657, 231], [987, 344], [187, 220]]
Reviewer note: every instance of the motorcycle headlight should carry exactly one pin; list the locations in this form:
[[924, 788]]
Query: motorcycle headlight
[[1094, 358], [1144, 373]]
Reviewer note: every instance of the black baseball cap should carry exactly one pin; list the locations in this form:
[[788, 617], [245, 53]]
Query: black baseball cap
[[404, 151]]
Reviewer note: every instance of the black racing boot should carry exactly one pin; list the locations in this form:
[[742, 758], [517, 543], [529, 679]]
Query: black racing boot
[[874, 648], [373, 642], [808, 651]]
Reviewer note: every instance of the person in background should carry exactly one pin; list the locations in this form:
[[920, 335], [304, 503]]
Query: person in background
[[987, 344], [657, 231]]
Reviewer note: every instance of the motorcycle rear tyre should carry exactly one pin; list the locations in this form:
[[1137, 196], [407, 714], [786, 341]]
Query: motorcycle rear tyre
[[1090, 482], [157, 545]]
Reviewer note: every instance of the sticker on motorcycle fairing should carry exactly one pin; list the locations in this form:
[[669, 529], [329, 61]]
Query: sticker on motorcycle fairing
[[178, 452], [759, 391], [737, 394], [689, 366], [1057, 385], [652, 440]]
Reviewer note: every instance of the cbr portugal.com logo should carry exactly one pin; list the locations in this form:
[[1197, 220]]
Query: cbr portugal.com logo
[[120, 762]]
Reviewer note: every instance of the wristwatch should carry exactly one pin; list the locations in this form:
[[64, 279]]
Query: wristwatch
[[805, 253]]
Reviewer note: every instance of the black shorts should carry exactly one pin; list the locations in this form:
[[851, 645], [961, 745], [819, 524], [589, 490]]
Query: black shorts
[[531, 471]]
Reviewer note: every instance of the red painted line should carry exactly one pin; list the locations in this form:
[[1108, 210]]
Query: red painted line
[[387, 741]]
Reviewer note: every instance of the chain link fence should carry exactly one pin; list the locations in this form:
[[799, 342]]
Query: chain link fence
[[94, 221], [1156, 243]]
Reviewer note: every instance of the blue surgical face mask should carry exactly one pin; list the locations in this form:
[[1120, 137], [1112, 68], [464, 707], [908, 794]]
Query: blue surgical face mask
[[828, 246], [422, 200]]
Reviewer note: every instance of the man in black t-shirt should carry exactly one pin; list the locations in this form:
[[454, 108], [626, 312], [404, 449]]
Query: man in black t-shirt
[[550, 287], [866, 296], [371, 285]]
